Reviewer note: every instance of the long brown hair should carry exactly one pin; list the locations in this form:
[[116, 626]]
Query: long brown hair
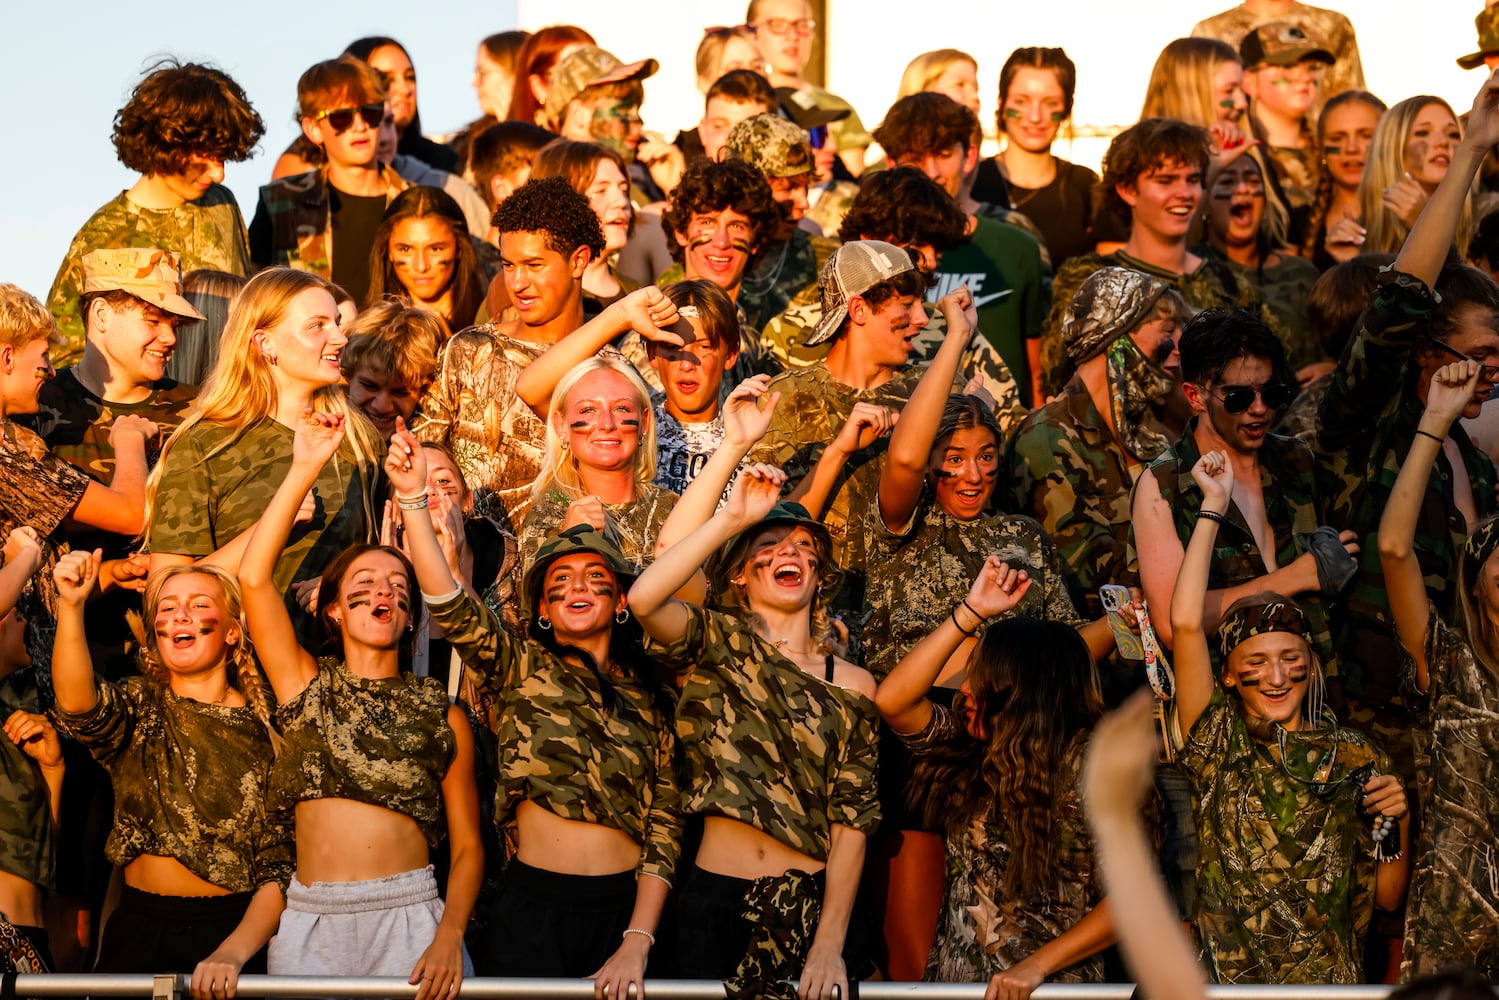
[[423, 202]]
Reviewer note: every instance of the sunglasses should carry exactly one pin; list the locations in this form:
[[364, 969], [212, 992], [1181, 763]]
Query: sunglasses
[[1489, 373], [817, 135], [342, 119], [1238, 398]]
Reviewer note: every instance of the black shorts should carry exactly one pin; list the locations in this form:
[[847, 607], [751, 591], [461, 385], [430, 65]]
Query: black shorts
[[547, 925], [156, 934]]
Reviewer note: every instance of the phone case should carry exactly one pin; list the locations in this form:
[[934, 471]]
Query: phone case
[[1115, 597]]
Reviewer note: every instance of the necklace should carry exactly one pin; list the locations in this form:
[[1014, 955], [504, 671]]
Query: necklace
[[784, 645]]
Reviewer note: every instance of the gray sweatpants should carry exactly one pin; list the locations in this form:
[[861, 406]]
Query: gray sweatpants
[[378, 927]]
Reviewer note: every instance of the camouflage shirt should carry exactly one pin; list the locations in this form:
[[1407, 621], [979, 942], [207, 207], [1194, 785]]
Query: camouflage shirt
[[76, 424], [1328, 28], [562, 747], [780, 272], [1453, 911], [766, 743], [206, 233], [1285, 884], [382, 741], [189, 783], [297, 211], [1068, 472], [1283, 288], [473, 409], [917, 574], [1300, 419], [981, 928], [28, 837], [1367, 422], [631, 526]]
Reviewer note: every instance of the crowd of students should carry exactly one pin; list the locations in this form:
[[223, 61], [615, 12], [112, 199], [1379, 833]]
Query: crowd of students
[[554, 550]]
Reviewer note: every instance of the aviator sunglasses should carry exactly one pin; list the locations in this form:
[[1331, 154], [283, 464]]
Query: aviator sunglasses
[[342, 119]]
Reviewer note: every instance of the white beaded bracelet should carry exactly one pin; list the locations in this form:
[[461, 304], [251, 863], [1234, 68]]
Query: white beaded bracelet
[[642, 932]]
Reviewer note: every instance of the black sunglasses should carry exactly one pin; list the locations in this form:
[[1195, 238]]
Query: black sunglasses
[[1489, 373], [342, 119], [1238, 398]]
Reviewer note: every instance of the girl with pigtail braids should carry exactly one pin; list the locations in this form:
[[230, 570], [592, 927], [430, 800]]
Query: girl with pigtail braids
[[188, 748]]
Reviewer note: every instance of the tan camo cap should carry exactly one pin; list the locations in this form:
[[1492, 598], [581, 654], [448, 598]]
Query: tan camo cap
[[1280, 44], [150, 275], [765, 142], [854, 269], [587, 67]]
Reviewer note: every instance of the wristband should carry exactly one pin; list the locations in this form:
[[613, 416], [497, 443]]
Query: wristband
[[956, 625], [412, 504], [1430, 435], [642, 932], [1212, 516]]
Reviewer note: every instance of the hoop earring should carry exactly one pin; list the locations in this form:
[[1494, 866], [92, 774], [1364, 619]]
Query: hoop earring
[[544, 623], [621, 616]]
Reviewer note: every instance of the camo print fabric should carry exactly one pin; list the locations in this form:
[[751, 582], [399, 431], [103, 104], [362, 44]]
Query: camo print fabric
[[1327, 28], [562, 748], [206, 233], [1285, 884], [1452, 917], [766, 743], [783, 912], [28, 837], [473, 409], [189, 781], [917, 574], [1068, 472], [632, 526], [1299, 420], [981, 929], [75, 423], [779, 273], [300, 213], [382, 741]]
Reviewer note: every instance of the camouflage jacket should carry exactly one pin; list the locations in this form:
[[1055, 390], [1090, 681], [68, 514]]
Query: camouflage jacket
[[189, 782], [982, 930], [766, 743], [1294, 509], [473, 409], [917, 574], [1328, 28], [28, 837], [631, 526], [1367, 421], [782, 342], [1453, 911], [382, 741], [207, 233], [1300, 419], [300, 214], [1068, 472], [779, 273], [828, 204], [1285, 884], [563, 746], [1282, 288]]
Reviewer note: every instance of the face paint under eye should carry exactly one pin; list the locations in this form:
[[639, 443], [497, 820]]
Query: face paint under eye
[[1013, 114], [1227, 104], [581, 425], [1056, 117], [629, 422], [359, 598]]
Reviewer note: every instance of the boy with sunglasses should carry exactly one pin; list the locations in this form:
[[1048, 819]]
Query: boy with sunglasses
[[302, 219]]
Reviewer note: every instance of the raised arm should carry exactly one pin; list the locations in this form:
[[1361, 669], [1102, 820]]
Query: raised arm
[[1194, 664], [1451, 390], [910, 449], [288, 666], [647, 311], [72, 668], [901, 696], [406, 468], [866, 424]]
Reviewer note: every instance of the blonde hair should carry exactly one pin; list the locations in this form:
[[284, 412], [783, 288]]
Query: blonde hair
[[24, 319], [1385, 165], [927, 68], [559, 467], [241, 390], [1181, 82], [391, 338]]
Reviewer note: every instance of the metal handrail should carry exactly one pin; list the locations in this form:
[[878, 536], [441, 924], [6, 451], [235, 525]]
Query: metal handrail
[[167, 986]]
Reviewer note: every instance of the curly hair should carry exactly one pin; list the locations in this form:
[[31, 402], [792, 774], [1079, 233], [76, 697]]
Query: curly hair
[[927, 122], [904, 206], [708, 188], [550, 205], [1034, 695], [181, 110], [1146, 145], [1216, 338]]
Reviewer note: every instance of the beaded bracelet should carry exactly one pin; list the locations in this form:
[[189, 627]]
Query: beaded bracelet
[[412, 503], [1212, 516], [642, 932]]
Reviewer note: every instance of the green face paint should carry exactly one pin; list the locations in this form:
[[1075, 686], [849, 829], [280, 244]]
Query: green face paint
[[1013, 114], [1057, 117], [615, 125]]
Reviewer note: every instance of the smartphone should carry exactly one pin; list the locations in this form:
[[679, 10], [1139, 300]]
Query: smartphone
[[1115, 598]]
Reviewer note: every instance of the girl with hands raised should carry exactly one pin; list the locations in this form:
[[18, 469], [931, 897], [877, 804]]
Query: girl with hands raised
[[1260, 748], [31, 776], [1454, 671], [378, 765], [586, 782]]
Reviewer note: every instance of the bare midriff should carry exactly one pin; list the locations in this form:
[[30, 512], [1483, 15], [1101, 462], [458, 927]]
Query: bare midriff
[[569, 846], [341, 840], [739, 850]]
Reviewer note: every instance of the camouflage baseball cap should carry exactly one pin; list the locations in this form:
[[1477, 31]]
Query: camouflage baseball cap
[[1108, 305], [726, 559], [150, 275], [578, 538], [1487, 23], [803, 110], [765, 142], [853, 269], [1280, 44], [1251, 617], [587, 67]]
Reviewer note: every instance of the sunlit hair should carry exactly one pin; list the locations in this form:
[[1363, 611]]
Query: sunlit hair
[[467, 288], [1148, 145], [242, 389], [332, 584], [735, 600], [1314, 705], [1322, 201], [716, 312], [1476, 617], [239, 659], [1385, 166], [1181, 82], [24, 319], [537, 56], [709, 56], [576, 163], [1275, 218], [182, 109], [390, 338], [1034, 695], [926, 69], [559, 467], [503, 48], [335, 83], [1039, 57]]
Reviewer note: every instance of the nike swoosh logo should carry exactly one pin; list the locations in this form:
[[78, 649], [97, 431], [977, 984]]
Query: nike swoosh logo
[[983, 300]]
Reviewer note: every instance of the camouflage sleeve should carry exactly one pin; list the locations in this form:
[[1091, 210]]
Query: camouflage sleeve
[[1203, 748], [541, 522], [1445, 650], [439, 406], [665, 824], [273, 856], [182, 523], [683, 654], [106, 728], [1372, 369], [62, 302], [1059, 606], [37, 488], [782, 445], [854, 799], [980, 358], [491, 655]]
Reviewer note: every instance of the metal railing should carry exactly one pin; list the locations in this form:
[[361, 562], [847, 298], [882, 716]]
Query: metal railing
[[168, 987]]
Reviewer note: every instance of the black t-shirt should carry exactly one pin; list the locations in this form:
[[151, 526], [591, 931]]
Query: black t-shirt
[[355, 219], [1062, 210]]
